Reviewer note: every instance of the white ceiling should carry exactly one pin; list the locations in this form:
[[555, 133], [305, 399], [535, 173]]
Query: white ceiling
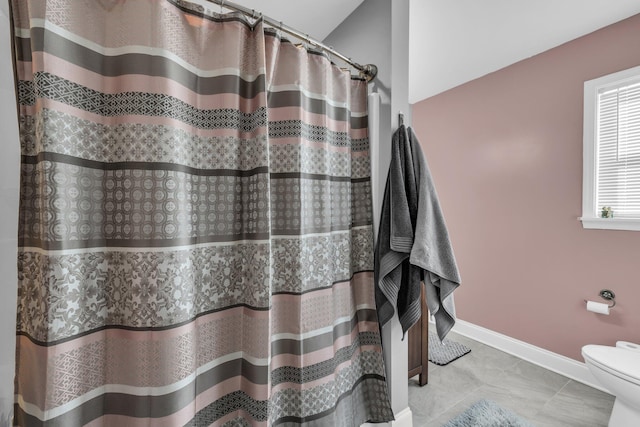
[[316, 18], [455, 41]]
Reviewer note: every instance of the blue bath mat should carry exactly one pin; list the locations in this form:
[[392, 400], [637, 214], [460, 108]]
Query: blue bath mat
[[486, 413]]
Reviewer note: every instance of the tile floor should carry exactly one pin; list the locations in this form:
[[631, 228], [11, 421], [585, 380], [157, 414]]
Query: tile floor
[[543, 397]]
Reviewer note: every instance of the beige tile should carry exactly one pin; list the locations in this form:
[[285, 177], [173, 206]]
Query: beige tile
[[468, 401], [446, 387], [588, 395], [577, 405], [485, 362], [516, 403], [543, 397], [526, 388], [444, 417]]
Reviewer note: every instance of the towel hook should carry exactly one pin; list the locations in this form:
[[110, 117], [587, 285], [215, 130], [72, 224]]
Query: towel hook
[[400, 119]]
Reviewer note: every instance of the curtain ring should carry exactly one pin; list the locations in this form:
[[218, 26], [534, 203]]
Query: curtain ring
[[253, 14]]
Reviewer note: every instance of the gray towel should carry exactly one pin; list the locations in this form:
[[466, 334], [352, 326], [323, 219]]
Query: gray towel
[[413, 242]]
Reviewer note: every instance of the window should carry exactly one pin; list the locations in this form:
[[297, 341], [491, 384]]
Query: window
[[611, 172]]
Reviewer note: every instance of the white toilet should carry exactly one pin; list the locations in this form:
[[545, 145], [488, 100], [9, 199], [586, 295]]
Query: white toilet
[[618, 370]]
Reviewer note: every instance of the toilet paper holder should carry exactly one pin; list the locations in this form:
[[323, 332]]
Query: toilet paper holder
[[609, 295]]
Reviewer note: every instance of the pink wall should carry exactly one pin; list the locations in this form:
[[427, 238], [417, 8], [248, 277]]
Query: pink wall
[[505, 152]]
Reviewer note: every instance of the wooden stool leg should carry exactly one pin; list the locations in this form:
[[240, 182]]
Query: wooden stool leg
[[419, 344]]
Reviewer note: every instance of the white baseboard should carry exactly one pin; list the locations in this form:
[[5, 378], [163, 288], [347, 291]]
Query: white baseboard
[[404, 418], [558, 363], [555, 362]]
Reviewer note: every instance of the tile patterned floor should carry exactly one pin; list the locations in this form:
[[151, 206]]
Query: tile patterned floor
[[543, 397]]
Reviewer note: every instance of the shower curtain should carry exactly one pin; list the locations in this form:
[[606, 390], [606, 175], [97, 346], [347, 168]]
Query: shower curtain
[[195, 237]]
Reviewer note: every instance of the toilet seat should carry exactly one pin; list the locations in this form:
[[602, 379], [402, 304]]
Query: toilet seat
[[621, 362]]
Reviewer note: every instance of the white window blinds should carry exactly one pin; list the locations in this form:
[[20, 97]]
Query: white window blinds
[[618, 149]]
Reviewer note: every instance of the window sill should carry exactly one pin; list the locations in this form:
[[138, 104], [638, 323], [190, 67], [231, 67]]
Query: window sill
[[611, 223]]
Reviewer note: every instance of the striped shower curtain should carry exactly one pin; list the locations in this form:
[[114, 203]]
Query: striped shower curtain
[[195, 239]]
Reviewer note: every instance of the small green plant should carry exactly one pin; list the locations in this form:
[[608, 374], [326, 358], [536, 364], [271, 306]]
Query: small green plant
[[607, 212]]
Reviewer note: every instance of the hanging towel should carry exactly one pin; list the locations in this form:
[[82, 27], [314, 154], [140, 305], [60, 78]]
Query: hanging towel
[[413, 243]]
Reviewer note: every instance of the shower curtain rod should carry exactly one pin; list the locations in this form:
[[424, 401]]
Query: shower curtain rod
[[368, 71]]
